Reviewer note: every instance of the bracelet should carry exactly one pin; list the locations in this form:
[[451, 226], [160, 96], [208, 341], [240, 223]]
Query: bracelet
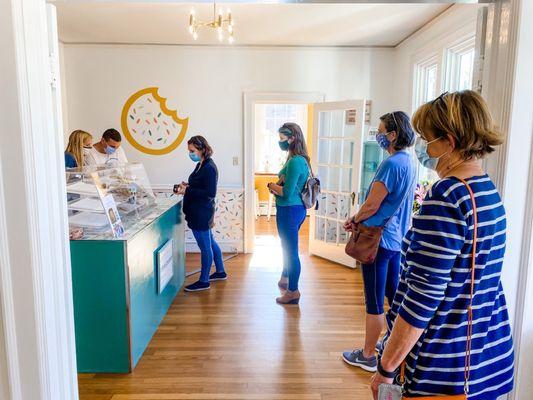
[[384, 373]]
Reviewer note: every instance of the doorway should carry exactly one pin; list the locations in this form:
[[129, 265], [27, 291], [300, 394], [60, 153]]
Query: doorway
[[269, 159], [264, 114]]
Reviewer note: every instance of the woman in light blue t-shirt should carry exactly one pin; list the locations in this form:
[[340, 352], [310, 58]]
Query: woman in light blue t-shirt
[[389, 203]]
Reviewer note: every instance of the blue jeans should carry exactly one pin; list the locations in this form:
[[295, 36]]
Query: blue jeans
[[381, 279], [210, 251], [289, 220]]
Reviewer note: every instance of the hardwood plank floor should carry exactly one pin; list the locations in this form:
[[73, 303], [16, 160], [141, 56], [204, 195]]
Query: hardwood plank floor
[[235, 342]]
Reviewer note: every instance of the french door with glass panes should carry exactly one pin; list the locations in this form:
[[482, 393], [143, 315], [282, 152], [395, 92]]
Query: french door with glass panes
[[336, 158]]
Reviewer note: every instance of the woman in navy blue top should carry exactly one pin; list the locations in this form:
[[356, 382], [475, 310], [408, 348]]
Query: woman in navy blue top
[[389, 203], [199, 209], [428, 324]]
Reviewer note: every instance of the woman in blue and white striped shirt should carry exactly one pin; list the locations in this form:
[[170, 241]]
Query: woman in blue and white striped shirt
[[428, 322]]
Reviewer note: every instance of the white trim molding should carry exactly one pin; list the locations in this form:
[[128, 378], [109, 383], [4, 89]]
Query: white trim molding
[[37, 313], [250, 99], [508, 87], [10, 385]]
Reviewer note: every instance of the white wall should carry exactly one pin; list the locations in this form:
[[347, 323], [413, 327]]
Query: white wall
[[518, 276], [207, 85], [454, 24]]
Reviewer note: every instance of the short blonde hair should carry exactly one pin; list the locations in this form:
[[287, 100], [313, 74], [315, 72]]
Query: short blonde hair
[[463, 115]]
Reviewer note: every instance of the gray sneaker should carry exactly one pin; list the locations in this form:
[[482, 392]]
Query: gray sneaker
[[357, 359]]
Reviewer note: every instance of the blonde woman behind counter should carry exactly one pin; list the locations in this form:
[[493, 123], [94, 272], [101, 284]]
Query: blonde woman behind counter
[[79, 142]]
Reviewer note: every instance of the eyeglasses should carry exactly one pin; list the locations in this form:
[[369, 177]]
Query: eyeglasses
[[395, 122]]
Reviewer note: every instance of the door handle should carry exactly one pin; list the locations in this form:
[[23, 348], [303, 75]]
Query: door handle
[[352, 195]]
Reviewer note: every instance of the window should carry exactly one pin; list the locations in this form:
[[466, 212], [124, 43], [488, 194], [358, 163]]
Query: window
[[457, 65], [460, 65], [426, 81], [269, 159], [430, 82], [426, 89]]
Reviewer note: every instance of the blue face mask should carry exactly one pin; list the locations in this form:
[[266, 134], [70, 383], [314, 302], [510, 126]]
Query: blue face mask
[[110, 150], [421, 150], [194, 157], [284, 145], [383, 140]]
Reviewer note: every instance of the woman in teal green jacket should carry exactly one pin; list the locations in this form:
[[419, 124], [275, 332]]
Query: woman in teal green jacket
[[290, 210]]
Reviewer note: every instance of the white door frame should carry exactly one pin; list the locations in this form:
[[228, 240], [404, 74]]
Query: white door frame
[[508, 87], [37, 344], [250, 100]]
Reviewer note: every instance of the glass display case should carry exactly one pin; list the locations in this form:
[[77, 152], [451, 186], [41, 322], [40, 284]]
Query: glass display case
[[127, 263], [127, 187]]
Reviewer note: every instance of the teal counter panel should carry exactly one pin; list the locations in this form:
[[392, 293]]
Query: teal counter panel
[[117, 307], [147, 306], [100, 309]]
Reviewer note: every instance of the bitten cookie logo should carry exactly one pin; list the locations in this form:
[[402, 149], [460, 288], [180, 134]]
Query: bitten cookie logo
[[149, 125]]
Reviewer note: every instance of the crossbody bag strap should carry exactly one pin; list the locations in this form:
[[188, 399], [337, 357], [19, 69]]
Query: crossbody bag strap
[[472, 286], [311, 174]]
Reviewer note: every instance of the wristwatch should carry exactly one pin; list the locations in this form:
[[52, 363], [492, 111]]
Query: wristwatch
[[384, 373]]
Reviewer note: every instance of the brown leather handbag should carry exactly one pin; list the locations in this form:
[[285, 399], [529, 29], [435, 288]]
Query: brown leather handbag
[[364, 240], [364, 243], [468, 352]]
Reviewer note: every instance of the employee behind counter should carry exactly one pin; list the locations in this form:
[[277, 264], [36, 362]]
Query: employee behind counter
[[80, 151]]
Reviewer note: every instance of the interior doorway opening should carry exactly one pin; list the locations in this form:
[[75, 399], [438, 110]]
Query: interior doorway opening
[[269, 159]]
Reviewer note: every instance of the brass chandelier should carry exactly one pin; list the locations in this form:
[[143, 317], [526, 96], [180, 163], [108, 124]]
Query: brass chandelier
[[222, 23]]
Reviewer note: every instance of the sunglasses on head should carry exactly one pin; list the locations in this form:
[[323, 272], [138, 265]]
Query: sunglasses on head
[[440, 98], [394, 119], [285, 131]]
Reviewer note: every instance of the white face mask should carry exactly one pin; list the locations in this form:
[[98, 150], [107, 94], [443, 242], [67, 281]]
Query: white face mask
[[421, 150]]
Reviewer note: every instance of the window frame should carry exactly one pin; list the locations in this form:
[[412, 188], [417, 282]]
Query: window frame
[[420, 74], [452, 58]]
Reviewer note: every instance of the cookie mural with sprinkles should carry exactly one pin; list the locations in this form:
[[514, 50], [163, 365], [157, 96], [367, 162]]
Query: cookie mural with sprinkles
[[149, 125]]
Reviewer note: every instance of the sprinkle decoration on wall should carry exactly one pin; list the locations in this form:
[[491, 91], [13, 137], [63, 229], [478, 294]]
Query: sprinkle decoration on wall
[[229, 218], [149, 125]]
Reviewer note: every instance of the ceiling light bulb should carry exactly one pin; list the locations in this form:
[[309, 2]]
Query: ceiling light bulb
[[220, 36], [195, 35], [231, 39], [230, 29], [192, 12]]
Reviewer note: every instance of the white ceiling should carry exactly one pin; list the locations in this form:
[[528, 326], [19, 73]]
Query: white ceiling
[[255, 24]]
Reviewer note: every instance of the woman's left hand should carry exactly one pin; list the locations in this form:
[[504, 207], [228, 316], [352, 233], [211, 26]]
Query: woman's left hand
[[377, 380]]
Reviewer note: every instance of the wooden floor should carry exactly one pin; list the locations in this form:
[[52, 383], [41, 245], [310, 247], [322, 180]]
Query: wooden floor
[[235, 342]]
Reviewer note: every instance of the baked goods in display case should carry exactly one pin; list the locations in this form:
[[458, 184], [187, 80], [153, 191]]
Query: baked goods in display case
[[127, 186]]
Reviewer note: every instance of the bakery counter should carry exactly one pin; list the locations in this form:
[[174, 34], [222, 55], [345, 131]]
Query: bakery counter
[[122, 288]]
